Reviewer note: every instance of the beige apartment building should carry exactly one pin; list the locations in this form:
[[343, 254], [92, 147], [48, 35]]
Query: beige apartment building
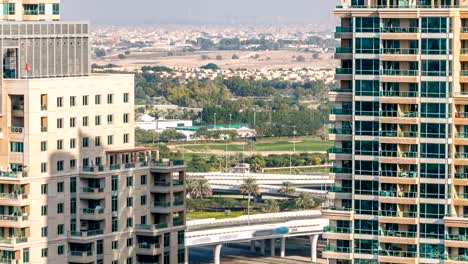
[[400, 118], [73, 186]]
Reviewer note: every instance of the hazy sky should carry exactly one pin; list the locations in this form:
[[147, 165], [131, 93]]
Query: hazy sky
[[180, 11]]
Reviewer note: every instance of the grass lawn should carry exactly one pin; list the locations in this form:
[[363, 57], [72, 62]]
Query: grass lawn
[[303, 144], [217, 215], [301, 170]]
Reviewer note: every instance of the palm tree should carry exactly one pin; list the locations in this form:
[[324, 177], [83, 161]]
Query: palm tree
[[271, 206], [287, 188], [305, 201], [249, 187], [199, 188]]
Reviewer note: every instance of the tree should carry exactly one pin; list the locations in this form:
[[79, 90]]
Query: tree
[[235, 57], [271, 206], [127, 52], [199, 188], [287, 188], [205, 57], [249, 187], [122, 56], [171, 135], [315, 56], [210, 66], [100, 52], [300, 58], [305, 201], [219, 57]]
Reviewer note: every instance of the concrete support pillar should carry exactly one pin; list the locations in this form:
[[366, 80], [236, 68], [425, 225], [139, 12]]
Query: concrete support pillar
[[313, 248], [283, 247], [186, 258], [252, 246], [217, 253], [272, 247], [262, 247]]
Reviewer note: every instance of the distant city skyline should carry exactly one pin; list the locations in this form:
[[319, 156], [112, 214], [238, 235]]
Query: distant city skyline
[[198, 12]]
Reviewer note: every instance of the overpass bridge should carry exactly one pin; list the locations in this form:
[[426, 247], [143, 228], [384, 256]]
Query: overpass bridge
[[260, 228]]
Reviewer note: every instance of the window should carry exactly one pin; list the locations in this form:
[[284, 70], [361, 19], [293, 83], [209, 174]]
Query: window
[[72, 101], [72, 163], [72, 121], [110, 140], [180, 237], [44, 231], [167, 240], [129, 222], [114, 203], [115, 224], [143, 180], [97, 141], [60, 123], [44, 252], [44, 188], [60, 187], [72, 207], [143, 219], [100, 247], [60, 166], [115, 182], [85, 162], [110, 119], [129, 201], [60, 208], [43, 145], [59, 101], [115, 244], [59, 144], [129, 242], [129, 181], [130, 260], [55, 9], [73, 185], [85, 142], [85, 99], [97, 99], [110, 98], [126, 97], [73, 143], [41, 9], [125, 138], [44, 210], [85, 121], [43, 167], [25, 255], [16, 147], [97, 120], [125, 118], [60, 249], [60, 229], [143, 200]]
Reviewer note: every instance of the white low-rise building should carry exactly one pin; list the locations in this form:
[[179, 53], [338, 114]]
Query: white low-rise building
[[147, 122]]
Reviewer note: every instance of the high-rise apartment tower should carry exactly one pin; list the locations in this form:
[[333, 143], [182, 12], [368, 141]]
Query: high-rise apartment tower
[[73, 186], [400, 127]]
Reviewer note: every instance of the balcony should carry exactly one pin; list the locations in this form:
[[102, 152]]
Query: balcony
[[397, 256], [403, 237], [399, 54], [344, 32], [340, 95], [80, 236], [398, 197], [340, 134], [400, 217], [333, 252], [337, 233], [12, 241], [92, 193], [456, 259], [397, 75], [165, 186], [14, 221], [343, 53], [461, 158], [456, 241], [167, 166], [336, 153], [148, 249], [337, 114], [399, 157], [395, 137], [151, 229], [12, 199], [401, 177], [343, 73], [93, 214], [338, 192], [340, 173], [81, 257], [338, 212]]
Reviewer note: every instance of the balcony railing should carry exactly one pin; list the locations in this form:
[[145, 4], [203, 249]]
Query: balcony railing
[[341, 131], [341, 50], [398, 194], [400, 214], [81, 253], [338, 208], [457, 257], [339, 230], [398, 154], [88, 233], [340, 189], [93, 210], [397, 51], [336, 150], [399, 30], [393, 233], [12, 196], [13, 218], [336, 111], [344, 71], [404, 134], [399, 72], [92, 189], [340, 170], [400, 174], [344, 29], [464, 73], [456, 237], [162, 204], [16, 130], [152, 227], [461, 155], [397, 253], [399, 93], [337, 249], [149, 245]]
